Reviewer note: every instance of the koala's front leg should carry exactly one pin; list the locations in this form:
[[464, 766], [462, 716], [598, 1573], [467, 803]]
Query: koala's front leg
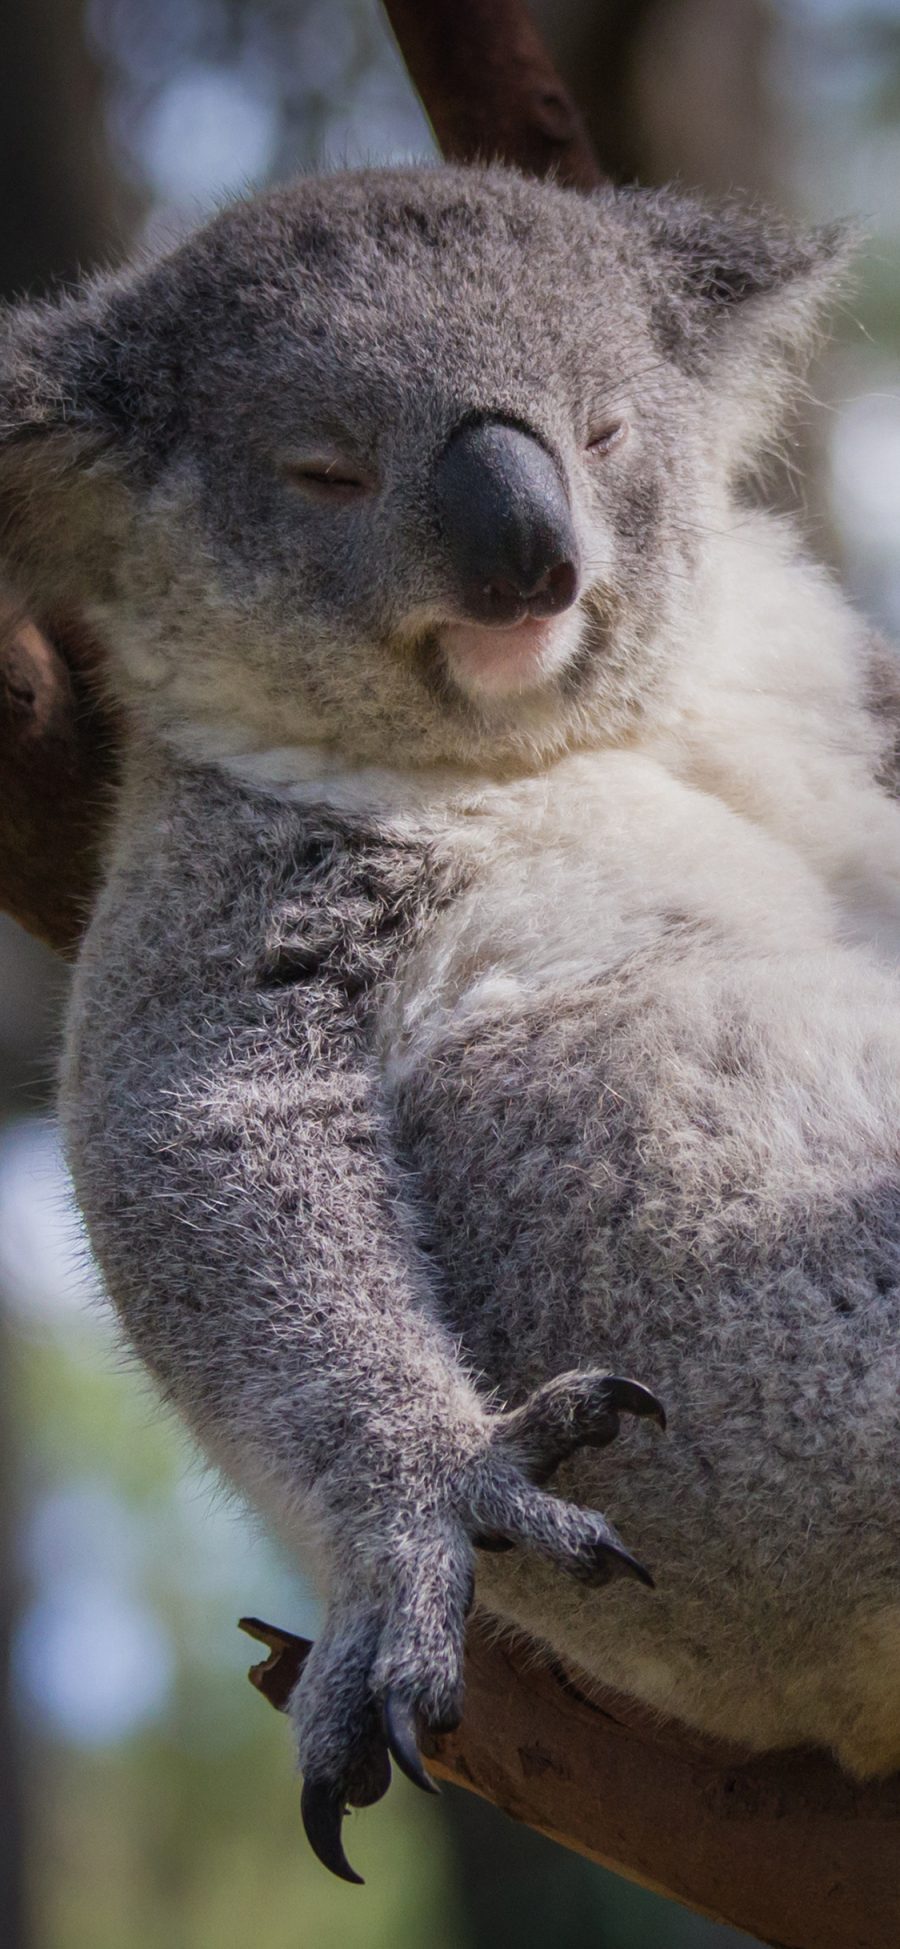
[[270, 1274], [233, 1158], [401, 1469]]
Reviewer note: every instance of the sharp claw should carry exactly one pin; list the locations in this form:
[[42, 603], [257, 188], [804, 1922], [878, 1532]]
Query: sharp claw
[[635, 1399], [612, 1561], [322, 1810], [635, 1569], [400, 1731]]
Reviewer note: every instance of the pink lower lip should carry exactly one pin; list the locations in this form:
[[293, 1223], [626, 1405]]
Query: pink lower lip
[[498, 655]]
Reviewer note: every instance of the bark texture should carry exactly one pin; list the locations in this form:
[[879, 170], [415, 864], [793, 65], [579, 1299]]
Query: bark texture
[[786, 1847], [491, 89]]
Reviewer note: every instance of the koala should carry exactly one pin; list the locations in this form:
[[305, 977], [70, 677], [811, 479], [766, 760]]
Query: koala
[[489, 1025]]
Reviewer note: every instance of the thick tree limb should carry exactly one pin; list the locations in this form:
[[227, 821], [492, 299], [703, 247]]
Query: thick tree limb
[[490, 87], [56, 762], [785, 1847]]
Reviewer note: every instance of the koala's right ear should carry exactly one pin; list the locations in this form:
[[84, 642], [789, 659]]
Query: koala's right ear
[[735, 298], [723, 277], [61, 479]]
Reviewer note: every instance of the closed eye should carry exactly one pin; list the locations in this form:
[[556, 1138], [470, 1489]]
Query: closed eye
[[605, 438], [327, 478]]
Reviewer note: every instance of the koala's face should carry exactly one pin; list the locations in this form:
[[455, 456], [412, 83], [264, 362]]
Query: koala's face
[[412, 464]]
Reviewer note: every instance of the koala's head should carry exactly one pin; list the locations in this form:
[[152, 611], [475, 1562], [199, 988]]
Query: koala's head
[[415, 463]]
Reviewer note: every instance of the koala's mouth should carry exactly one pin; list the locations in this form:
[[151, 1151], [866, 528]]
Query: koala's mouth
[[498, 662]]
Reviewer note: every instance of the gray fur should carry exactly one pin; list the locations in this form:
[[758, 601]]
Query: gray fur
[[386, 1154]]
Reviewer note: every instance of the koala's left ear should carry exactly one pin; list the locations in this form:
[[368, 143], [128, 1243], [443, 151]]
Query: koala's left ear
[[59, 444], [732, 290]]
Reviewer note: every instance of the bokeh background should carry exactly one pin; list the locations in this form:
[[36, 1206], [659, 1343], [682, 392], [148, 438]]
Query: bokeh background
[[147, 1796]]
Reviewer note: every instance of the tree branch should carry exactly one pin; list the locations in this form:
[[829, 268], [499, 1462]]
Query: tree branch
[[786, 1847], [490, 88], [57, 760]]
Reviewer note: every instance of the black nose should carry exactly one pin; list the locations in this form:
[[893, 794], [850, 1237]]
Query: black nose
[[505, 519]]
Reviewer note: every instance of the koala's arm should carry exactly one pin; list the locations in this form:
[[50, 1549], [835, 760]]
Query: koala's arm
[[231, 1151]]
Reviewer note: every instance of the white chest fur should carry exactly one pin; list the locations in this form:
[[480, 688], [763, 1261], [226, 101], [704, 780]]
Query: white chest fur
[[576, 867], [595, 861]]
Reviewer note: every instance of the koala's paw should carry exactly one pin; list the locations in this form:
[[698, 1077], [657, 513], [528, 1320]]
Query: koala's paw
[[578, 1410], [381, 1671], [389, 1663]]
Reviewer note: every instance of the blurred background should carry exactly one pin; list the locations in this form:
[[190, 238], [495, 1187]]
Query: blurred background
[[146, 1793]]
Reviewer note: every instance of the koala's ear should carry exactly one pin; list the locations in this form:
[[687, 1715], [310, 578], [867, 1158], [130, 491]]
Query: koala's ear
[[736, 297], [59, 443]]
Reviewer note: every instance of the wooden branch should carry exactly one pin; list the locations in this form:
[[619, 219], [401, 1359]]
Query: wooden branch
[[786, 1847], [490, 87], [57, 760]]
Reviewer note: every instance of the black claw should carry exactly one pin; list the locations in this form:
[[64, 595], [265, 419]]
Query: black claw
[[489, 1540], [322, 1809], [617, 1561], [635, 1399], [401, 1733], [636, 1569]]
